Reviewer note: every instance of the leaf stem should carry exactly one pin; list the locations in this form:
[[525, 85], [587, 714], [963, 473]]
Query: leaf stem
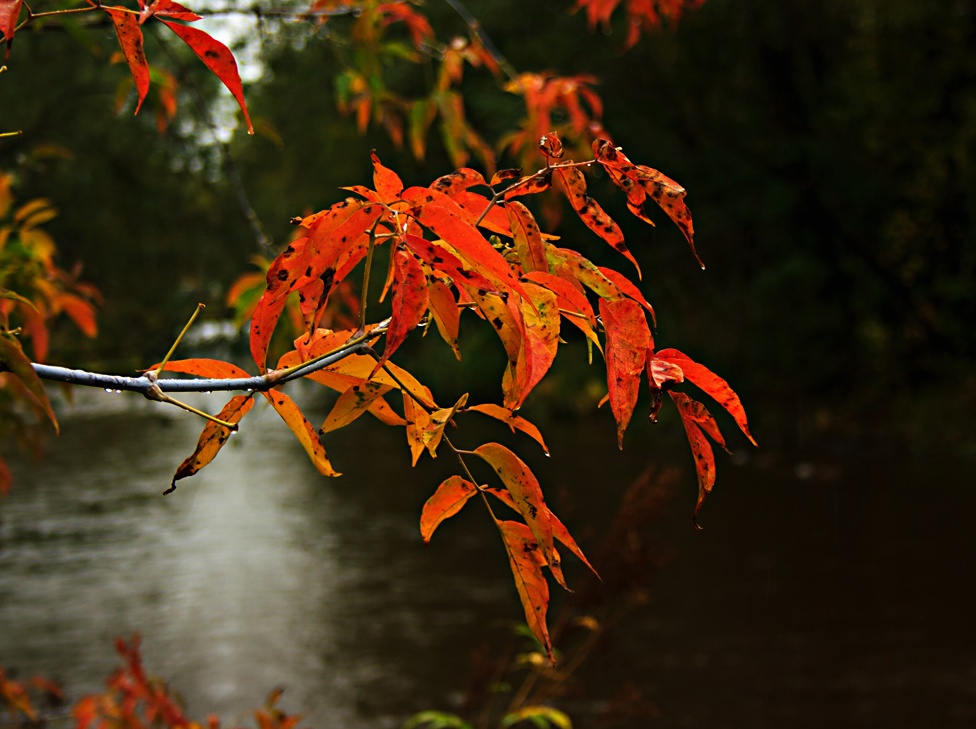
[[364, 297], [162, 365]]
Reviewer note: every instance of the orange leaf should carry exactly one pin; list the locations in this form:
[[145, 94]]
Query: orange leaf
[[418, 419], [711, 384], [505, 176], [559, 530], [352, 403], [570, 299], [409, 302], [512, 420], [474, 207], [456, 181], [12, 355], [700, 448], [387, 182], [213, 437], [214, 368], [217, 58], [9, 13], [129, 33], [524, 488], [263, 321], [451, 495], [445, 311], [82, 313], [526, 561], [302, 429], [528, 238], [433, 432], [627, 341], [541, 317], [167, 8], [530, 185], [591, 213]]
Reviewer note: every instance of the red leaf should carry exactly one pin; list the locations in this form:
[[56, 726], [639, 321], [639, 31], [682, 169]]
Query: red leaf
[[626, 287], [167, 8], [303, 430], [711, 384], [453, 227], [212, 368], [627, 341], [352, 403], [513, 421], [440, 259], [700, 449], [9, 13], [409, 302], [591, 213], [213, 437], [129, 33], [474, 207], [524, 488], [387, 182], [528, 238], [263, 322], [217, 58], [526, 561], [570, 299], [5, 478], [639, 181], [451, 495], [12, 355]]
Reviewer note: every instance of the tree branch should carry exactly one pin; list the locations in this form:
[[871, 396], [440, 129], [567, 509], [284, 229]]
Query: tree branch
[[145, 385]]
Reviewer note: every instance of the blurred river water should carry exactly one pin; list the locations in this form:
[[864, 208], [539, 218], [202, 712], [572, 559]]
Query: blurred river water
[[823, 592]]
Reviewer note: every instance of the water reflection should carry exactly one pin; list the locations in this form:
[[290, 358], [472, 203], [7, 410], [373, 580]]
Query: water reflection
[[820, 593]]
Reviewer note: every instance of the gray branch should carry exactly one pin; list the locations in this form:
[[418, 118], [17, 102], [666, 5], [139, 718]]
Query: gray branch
[[145, 385]]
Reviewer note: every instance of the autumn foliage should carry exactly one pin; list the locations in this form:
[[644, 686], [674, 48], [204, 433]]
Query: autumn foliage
[[467, 244]]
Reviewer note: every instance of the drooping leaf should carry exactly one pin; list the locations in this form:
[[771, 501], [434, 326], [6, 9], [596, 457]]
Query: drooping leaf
[[513, 421], [571, 265], [559, 530], [700, 449], [627, 341], [13, 357], [9, 13], [526, 560], [505, 176], [540, 314], [387, 182], [712, 384], [263, 322], [352, 403], [129, 33], [418, 419], [438, 421], [591, 213], [528, 238], [217, 58], [444, 310], [524, 488], [213, 437], [302, 429], [409, 302], [639, 181]]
